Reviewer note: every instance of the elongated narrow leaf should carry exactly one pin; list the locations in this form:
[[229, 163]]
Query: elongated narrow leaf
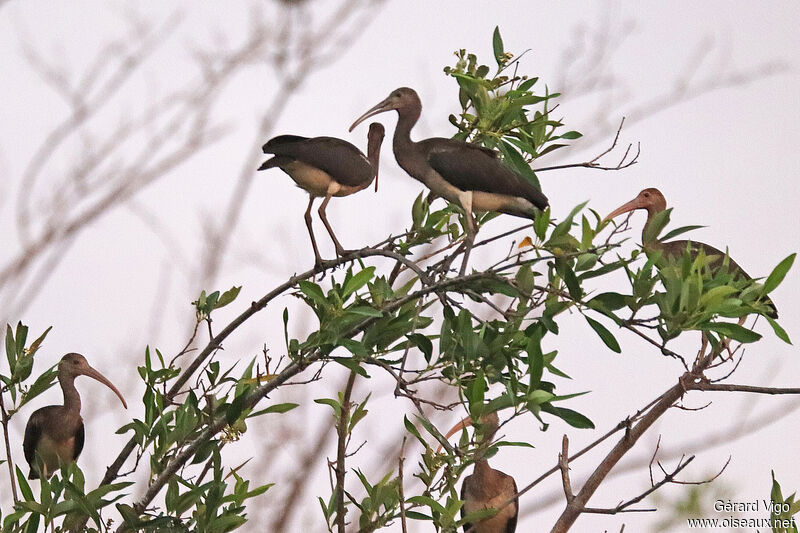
[[604, 334], [777, 275], [779, 331], [678, 231], [497, 46], [357, 281], [732, 331]]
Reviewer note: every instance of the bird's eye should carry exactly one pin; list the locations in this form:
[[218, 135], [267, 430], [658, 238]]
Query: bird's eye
[[647, 195], [397, 95]]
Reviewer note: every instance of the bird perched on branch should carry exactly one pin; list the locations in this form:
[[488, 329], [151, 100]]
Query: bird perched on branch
[[652, 201], [55, 434], [487, 488], [326, 167], [462, 173]]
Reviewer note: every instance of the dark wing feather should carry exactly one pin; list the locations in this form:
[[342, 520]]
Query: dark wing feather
[[511, 525], [80, 437], [474, 168], [676, 249], [341, 160], [33, 432], [467, 526]]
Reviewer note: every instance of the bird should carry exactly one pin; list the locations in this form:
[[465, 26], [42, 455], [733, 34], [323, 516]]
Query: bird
[[486, 487], [326, 167], [56, 433], [463, 173], [653, 201]]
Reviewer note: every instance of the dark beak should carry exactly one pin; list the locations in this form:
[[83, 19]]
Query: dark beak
[[92, 373], [385, 105]]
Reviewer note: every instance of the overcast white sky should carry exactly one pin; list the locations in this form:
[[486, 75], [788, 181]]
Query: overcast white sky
[[727, 159]]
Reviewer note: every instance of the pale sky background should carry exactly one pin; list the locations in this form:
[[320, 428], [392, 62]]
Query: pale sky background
[[727, 159]]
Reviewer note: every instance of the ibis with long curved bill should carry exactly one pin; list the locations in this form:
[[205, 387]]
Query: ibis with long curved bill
[[652, 201], [487, 488], [55, 434], [326, 167], [465, 174]]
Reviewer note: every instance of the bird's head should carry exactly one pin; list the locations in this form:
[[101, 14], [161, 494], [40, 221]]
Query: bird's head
[[650, 199], [74, 364], [404, 100], [486, 427]]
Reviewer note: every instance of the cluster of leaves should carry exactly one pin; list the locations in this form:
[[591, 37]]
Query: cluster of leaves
[[496, 110], [488, 335], [783, 509]]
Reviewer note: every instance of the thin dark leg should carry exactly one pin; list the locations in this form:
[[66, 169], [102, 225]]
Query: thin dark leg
[[339, 249], [469, 239], [317, 257]]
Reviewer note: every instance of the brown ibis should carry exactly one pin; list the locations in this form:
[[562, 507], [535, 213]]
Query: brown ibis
[[487, 488], [55, 433], [460, 172], [654, 202], [326, 167]]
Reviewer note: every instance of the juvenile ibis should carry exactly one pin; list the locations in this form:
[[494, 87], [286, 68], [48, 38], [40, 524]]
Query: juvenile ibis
[[326, 167], [653, 202], [465, 174], [487, 488], [55, 433]]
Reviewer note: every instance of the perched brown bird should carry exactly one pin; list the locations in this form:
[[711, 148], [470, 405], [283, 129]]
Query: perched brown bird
[[653, 202], [326, 167], [487, 488], [55, 433], [460, 172]]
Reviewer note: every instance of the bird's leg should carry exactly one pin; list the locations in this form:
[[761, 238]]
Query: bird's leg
[[340, 251], [469, 240], [317, 257]]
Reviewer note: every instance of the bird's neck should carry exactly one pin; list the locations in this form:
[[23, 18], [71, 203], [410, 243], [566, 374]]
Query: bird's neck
[[374, 153], [648, 241], [402, 142], [72, 400]]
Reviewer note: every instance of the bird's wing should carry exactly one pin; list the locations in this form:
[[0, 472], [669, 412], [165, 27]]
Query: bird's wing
[[33, 432], [511, 525], [80, 438], [280, 141], [676, 249], [474, 168], [341, 160], [463, 499]]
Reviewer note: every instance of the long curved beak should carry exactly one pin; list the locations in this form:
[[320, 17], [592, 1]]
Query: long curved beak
[[625, 208], [384, 105], [92, 373], [465, 423]]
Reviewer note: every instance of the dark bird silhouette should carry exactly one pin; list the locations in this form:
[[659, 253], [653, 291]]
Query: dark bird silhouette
[[486, 487], [463, 173], [652, 201], [326, 167], [55, 433]]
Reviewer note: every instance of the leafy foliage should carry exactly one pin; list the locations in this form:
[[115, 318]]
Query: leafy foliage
[[488, 336]]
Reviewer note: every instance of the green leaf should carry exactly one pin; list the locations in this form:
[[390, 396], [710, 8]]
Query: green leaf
[[732, 331], [497, 47], [604, 334], [227, 297], [678, 231], [280, 408], [777, 275], [313, 291], [573, 418], [357, 281], [779, 331]]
